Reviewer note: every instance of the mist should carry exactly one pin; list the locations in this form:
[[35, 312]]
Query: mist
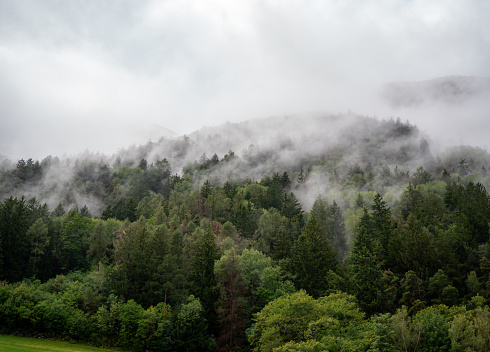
[[87, 75]]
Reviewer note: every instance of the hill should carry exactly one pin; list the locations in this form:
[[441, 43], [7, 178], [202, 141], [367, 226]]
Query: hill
[[318, 145], [342, 230], [448, 90]]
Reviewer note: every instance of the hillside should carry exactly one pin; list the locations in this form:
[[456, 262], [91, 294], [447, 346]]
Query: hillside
[[452, 90], [317, 145], [299, 233]]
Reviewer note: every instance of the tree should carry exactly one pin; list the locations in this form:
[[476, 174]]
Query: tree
[[420, 176], [85, 212], [39, 240], [15, 250], [98, 244], [272, 234], [202, 279], [336, 230], [143, 165], [297, 322], [417, 250], [366, 266], [191, 330], [58, 211], [437, 283], [206, 189], [381, 222], [312, 258], [233, 310], [74, 241]]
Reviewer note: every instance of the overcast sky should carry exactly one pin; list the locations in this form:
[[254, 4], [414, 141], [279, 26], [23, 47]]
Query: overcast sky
[[101, 75]]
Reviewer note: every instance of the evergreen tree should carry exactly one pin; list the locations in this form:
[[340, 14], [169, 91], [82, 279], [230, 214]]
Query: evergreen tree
[[336, 230], [15, 250], [381, 222], [206, 189], [58, 211], [38, 235], [202, 279], [98, 249], [312, 258], [233, 311], [366, 266]]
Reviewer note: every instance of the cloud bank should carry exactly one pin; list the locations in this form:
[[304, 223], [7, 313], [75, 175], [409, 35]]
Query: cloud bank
[[101, 75]]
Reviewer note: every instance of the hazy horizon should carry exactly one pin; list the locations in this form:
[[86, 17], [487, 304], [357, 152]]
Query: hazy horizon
[[101, 76]]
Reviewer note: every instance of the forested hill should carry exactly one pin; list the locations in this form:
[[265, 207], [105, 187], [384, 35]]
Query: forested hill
[[450, 90], [319, 153], [311, 233]]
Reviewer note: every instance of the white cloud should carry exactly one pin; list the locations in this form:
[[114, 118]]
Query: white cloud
[[74, 71]]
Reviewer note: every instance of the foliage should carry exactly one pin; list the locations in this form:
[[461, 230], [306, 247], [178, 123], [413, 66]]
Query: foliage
[[128, 254]]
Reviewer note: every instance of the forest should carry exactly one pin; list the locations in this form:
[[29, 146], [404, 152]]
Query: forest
[[329, 233]]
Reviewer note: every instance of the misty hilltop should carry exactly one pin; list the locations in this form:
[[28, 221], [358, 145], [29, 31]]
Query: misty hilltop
[[447, 90], [320, 153]]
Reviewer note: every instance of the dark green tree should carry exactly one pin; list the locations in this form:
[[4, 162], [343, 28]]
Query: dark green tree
[[381, 222], [15, 250], [74, 241], [191, 333], [233, 312], [311, 260], [366, 266], [336, 230], [202, 280]]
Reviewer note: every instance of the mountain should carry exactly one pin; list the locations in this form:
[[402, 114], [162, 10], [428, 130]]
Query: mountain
[[449, 90], [327, 151]]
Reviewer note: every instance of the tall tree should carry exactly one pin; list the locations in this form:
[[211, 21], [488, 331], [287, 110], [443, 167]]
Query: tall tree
[[336, 230], [381, 221], [202, 279], [312, 258], [232, 311], [366, 266], [272, 234], [38, 235], [14, 250], [74, 241]]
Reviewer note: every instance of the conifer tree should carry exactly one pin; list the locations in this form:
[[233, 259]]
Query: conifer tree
[[202, 279], [312, 258], [366, 266], [233, 311], [336, 230], [381, 220]]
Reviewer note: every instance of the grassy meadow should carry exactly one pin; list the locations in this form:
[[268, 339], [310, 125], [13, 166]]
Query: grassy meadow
[[27, 344]]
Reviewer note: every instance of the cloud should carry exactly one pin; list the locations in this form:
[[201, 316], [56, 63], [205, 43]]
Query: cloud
[[74, 75]]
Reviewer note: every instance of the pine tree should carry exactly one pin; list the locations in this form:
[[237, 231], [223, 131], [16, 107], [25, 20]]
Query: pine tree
[[381, 221], [202, 279], [336, 230], [366, 266], [312, 258], [233, 311]]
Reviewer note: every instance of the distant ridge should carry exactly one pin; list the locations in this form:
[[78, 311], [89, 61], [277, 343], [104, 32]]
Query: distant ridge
[[448, 90]]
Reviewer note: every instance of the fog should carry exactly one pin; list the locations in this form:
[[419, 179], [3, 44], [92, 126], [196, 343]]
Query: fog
[[101, 76]]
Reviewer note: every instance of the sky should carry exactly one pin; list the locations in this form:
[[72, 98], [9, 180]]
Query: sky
[[102, 75]]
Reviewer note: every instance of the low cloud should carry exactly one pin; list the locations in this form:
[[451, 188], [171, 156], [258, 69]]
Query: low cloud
[[74, 75]]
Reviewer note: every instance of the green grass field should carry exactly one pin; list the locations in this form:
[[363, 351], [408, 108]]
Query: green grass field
[[26, 344]]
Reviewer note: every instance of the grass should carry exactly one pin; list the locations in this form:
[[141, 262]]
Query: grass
[[27, 344]]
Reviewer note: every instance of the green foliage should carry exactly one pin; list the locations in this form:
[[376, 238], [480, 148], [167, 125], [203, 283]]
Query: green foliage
[[191, 328], [272, 235], [434, 323], [298, 321], [233, 307], [238, 245], [75, 241], [311, 259], [202, 279]]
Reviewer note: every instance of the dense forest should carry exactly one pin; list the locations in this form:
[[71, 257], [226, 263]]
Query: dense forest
[[319, 233]]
